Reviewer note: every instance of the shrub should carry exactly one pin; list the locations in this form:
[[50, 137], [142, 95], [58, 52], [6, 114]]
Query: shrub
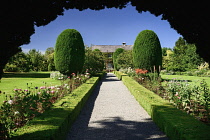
[[94, 61], [125, 59], [99, 60], [193, 99], [11, 68], [115, 56], [69, 52], [54, 124], [30, 103], [147, 51], [204, 66], [57, 75], [129, 71]]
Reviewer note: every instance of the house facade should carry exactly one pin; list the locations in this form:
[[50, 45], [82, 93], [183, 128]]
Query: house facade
[[108, 51]]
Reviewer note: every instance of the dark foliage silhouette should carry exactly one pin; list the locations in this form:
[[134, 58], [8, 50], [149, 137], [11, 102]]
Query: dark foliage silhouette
[[18, 18]]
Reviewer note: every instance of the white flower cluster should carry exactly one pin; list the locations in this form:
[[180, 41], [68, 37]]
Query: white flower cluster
[[17, 112], [10, 102], [56, 75]]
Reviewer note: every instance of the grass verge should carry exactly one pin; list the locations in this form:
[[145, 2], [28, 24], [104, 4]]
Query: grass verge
[[193, 80], [119, 74], [177, 125], [10, 81], [55, 123]]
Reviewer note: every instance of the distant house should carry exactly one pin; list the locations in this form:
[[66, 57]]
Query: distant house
[[108, 51]]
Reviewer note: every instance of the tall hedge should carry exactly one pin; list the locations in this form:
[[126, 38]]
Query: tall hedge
[[115, 55], [147, 51], [69, 52]]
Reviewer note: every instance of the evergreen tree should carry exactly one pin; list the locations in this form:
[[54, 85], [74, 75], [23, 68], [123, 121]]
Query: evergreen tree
[[69, 52], [49, 56], [37, 60], [147, 51], [184, 57]]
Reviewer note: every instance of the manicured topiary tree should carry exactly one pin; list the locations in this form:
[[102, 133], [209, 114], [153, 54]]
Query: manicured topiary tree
[[69, 52], [147, 51], [115, 55]]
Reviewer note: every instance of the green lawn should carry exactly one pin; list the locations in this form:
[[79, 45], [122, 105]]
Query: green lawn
[[11, 81], [191, 79]]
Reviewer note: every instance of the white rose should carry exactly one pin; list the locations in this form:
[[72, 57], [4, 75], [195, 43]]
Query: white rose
[[17, 112], [10, 101]]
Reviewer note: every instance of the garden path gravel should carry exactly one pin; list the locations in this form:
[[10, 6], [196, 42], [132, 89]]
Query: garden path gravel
[[112, 113]]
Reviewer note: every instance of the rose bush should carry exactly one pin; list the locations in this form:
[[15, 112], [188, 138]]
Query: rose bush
[[193, 99], [26, 104]]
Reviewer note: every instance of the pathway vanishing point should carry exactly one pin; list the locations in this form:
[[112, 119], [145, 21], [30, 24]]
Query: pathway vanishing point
[[112, 113]]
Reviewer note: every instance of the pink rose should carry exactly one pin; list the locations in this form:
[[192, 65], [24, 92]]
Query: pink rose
[[52, 91], [43, 87], [15, 89]]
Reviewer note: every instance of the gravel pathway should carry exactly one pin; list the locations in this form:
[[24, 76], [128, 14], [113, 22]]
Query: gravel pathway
[[112, 113]]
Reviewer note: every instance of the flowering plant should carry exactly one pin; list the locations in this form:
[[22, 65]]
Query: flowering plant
[[129, 71], [141, 71], [26, 104], [193, 99]]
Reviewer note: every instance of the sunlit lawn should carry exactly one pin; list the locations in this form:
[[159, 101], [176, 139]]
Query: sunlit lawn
[[10, 81], [194, 80]]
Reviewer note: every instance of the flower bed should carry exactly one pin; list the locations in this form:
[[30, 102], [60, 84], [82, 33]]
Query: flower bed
[[25, 105], [195, 100], [55, 122], [175, 123]]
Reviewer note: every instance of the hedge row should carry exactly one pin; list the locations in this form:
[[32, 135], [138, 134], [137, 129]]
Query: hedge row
[[119, 74], [100, 74], [176, 124], [55, 123]]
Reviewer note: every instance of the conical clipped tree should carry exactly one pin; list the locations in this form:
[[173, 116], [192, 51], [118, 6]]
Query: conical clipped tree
[[69, 52], [115, 56], [147, 51]]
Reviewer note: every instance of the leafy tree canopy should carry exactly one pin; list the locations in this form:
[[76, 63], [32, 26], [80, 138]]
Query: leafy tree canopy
[[125, 59], [18, 19], [184, 57], [94, 60], [115, 56], [49, 51], [164, 51]]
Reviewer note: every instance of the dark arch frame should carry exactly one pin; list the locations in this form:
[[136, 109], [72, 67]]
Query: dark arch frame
[[18, 18]]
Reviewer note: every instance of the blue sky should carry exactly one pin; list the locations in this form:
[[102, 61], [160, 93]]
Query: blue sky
[[104, 27]]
